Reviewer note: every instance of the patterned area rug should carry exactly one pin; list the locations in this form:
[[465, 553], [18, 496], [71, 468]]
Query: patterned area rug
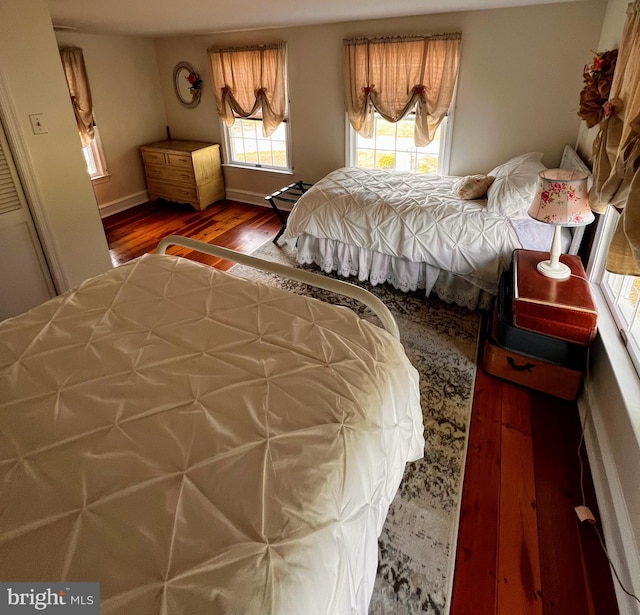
[[417, 544]]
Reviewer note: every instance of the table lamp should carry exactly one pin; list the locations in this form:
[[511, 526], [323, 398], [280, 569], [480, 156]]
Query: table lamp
[[561, 199]]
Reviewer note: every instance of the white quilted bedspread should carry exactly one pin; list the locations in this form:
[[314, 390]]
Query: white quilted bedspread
[[410, 216], [198, 443]]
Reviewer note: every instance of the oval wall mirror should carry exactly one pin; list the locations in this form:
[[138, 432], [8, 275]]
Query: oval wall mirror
[[187, 84]]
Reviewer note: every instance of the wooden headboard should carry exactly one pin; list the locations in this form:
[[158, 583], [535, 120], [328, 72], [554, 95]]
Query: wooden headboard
[[571, 160]]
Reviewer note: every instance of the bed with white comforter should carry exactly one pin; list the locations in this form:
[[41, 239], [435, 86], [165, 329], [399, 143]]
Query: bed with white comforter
[[412, 231], [199, 443]]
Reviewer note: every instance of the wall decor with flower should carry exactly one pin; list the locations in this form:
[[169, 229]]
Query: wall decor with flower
[[187, 84], [594, 95]]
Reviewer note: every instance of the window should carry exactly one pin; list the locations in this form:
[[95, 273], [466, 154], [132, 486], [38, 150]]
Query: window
[[246, 145], [94, 157], [249, 85], [620, 291], [392, 147], [399, 91]]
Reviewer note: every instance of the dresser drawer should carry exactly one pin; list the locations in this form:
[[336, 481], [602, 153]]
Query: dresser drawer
[[179, 160], [172, 192], [172, 174], [153, 157]]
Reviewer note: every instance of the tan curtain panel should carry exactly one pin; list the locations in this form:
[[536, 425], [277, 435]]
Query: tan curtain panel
[[78, 83], [616, 161], [249, 79], [395, 75]]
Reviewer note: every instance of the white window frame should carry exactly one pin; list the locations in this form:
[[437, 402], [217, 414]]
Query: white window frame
[[227, 149], [615, 288], [444, 153], [94, 157]]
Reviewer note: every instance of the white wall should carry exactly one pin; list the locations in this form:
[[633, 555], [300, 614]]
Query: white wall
[[54, 173], [128, 107], [520, 75]]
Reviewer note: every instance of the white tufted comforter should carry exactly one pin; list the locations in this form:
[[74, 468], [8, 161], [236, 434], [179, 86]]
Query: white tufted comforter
[[198, 443], [410, 216]]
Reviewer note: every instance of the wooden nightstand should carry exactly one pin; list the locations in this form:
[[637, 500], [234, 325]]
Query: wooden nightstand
[[539, 329]]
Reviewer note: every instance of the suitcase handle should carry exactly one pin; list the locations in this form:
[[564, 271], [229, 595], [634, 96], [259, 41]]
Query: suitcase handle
[[519, 368]]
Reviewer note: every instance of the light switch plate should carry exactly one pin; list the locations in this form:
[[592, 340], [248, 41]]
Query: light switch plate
[[38, 124]]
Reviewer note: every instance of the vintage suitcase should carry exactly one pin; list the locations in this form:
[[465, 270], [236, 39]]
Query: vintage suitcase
[[556, 380], [561, 308], [530, 343]]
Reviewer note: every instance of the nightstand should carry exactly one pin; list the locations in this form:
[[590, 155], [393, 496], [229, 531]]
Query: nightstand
[[539, 329]]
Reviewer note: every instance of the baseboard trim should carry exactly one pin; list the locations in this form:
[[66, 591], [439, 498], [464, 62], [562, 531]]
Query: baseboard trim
[[118, 205], [252, 198]]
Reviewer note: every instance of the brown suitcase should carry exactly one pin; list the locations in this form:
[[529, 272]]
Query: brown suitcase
[[533, 373], [560, 308]]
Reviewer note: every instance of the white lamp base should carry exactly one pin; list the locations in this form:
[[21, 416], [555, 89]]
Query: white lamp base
[[557, 271], [553, 268]]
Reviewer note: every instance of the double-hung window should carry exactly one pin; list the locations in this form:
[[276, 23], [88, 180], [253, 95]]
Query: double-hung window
[[249, 85], [616, 190], [399, 91], [621, 292], [94, 157], [75, 74], [246, 144], [392, 147]]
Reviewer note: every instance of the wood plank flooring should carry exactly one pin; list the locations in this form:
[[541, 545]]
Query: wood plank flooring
[[521, 549], [237, 226]]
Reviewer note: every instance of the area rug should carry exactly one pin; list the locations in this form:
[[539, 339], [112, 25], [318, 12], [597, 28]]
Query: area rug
[[417, 544]]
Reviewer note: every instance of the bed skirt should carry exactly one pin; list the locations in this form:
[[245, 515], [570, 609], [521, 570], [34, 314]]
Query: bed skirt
[[350, 261]]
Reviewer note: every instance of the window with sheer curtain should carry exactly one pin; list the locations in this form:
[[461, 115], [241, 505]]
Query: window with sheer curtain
[[249, 85], [79, 90], [393, 78], [75, 74], [616, 188]]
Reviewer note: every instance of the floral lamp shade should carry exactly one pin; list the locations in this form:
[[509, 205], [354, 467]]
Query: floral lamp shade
[[562, 200]]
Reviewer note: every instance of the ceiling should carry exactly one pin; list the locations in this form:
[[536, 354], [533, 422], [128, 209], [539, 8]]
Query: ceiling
[[157, 18]]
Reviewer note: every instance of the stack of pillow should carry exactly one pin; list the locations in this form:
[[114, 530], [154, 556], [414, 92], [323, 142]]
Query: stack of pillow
[[509, 188]]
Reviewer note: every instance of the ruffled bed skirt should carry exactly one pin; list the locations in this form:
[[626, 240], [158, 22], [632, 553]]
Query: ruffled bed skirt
[[350, 261]]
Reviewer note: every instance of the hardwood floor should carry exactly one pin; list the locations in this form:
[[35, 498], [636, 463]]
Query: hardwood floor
[[237, 226], [521, 549]]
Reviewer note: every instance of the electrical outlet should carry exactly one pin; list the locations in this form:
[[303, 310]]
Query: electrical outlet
[[585, 514], [38, 124]]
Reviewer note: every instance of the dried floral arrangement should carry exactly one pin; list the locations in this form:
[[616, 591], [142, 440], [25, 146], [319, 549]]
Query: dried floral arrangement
[[597, 83]]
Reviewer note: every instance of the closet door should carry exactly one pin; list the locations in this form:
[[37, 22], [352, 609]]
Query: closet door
[[25, 280]]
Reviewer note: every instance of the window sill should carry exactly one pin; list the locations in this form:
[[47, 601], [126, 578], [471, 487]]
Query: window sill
[[101, 179], [624, 371], [263, 169]]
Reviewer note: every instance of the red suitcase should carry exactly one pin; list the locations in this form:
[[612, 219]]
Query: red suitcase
[[560, 308], [559, 381]]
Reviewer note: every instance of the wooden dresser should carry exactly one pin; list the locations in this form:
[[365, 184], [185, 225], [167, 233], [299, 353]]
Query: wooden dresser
[[184, 172]]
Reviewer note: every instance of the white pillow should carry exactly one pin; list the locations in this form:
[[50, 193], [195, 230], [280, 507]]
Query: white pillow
[[515, 185]]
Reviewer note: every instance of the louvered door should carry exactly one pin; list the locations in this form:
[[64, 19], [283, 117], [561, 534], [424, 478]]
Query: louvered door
[[24, 277]]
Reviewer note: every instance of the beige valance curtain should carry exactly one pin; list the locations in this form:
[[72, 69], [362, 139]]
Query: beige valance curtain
[[249, 79], [616, 166], [78, 83], [395, 75]]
